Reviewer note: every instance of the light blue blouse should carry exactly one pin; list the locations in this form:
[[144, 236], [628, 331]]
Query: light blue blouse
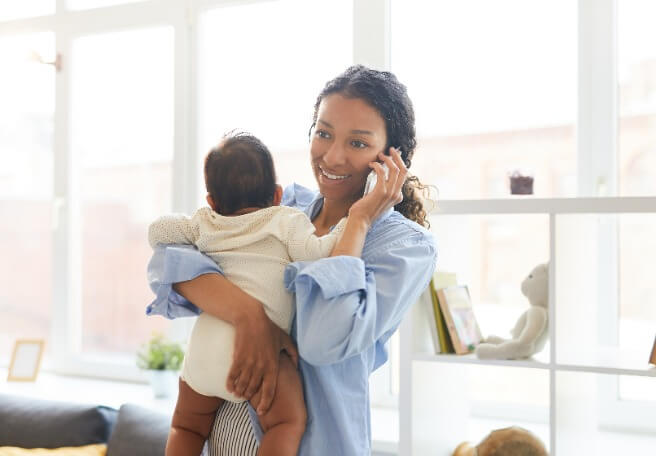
[[346, 309]]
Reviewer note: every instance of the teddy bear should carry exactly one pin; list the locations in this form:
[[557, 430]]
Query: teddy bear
[[531, 330], [510, 441]]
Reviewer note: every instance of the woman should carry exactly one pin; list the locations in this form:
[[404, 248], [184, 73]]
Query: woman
[[346, 307]]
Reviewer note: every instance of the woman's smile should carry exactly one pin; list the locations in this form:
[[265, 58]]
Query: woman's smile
[[331, 178]]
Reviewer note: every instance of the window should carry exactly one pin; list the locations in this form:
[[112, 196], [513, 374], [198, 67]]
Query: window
[[637, 168], [267, 81], [122, 132], [492, 95], [27, 91], [494, 90], [637, 97]]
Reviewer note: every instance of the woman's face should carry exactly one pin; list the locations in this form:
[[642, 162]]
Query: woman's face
[[348, 135]]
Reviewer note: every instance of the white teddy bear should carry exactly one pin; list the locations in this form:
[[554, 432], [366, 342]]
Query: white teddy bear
[[531, 330]]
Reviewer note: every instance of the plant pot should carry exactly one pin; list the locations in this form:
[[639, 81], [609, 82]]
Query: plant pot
[[163, 382]]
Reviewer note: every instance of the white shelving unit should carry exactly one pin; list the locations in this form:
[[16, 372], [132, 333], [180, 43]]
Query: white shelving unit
[[433, 425]]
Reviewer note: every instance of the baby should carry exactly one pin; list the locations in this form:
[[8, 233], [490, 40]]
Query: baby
[[252, 238]]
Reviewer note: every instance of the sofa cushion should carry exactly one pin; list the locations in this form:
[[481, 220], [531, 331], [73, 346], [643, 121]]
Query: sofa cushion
[[97, 449], [36, 423], [138, 431]]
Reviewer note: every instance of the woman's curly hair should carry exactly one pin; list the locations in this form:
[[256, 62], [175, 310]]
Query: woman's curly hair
[[382, 91]]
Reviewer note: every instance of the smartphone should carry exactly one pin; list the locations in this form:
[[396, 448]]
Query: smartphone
[[372, 178]]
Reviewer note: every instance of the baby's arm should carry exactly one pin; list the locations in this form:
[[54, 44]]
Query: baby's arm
[[173, 229], [304, 245], [347, 238], [352, 240]]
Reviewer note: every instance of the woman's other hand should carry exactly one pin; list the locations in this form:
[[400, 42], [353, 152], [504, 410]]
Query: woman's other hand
[[387, 192], [258, 343]]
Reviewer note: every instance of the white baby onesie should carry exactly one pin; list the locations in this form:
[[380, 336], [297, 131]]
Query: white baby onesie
[[253, 250]]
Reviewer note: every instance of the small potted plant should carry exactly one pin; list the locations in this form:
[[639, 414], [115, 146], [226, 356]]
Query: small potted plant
[[163, 359]]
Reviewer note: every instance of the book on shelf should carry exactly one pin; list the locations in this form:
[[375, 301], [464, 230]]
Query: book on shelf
[[441, 280], [458, 314]]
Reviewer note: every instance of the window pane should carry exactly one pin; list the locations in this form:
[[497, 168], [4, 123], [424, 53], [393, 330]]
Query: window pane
[[27, 91], [25, 8], [494, 89], [269, 86], [582, 419], [122, 133], [637, 81], [637, 310]]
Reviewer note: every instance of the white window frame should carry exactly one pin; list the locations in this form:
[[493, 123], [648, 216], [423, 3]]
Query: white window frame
[[67, 25], [598, 131]]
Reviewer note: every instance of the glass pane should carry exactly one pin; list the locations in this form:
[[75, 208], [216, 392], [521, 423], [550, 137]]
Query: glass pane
[[27, 91], [89, 4], [637, 310], [269, 86], [453, 403], [493, 91], [637, 87], [589, 422], [122, 132], [25, 8]]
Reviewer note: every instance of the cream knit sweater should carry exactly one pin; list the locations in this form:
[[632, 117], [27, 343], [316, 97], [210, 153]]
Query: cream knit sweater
[[253, 250]]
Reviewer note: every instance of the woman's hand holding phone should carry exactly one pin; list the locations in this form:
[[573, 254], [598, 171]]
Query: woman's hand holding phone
[[386, 192]]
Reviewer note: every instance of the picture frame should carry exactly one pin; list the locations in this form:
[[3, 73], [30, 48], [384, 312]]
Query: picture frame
[[25, 360]]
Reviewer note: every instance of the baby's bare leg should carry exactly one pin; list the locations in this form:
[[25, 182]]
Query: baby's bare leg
[[192, 421], [284, 423]]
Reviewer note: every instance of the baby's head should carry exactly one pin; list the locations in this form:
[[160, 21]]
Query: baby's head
[[239, 174]]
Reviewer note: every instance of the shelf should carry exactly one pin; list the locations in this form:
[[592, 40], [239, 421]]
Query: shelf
[[607, 360], [472, 359], [530, 205], [604, 361]]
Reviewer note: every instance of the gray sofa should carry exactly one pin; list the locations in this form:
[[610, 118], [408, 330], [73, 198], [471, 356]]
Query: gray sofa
[[34, 423]]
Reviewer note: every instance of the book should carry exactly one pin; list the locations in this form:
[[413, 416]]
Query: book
[[443, 338], [446, 346], [461, 323]]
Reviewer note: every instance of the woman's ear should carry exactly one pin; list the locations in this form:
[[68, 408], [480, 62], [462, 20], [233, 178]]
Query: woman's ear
[[277, 196], [210, 201]]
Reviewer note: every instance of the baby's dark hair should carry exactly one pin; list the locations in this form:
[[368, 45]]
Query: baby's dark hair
[[239, 173], [383, 91]]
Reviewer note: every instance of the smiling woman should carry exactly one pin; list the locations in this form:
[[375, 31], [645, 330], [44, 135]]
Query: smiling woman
[[348, 305]]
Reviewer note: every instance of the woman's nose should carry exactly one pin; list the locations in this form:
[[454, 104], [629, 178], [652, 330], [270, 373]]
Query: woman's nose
[[335, 155]]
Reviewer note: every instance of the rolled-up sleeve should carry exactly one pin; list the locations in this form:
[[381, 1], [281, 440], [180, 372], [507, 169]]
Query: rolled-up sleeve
[[172, 264], [344, 305]]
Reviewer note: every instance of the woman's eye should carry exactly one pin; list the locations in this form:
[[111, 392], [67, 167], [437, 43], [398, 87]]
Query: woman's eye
[[322, 134], [358, 144]]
